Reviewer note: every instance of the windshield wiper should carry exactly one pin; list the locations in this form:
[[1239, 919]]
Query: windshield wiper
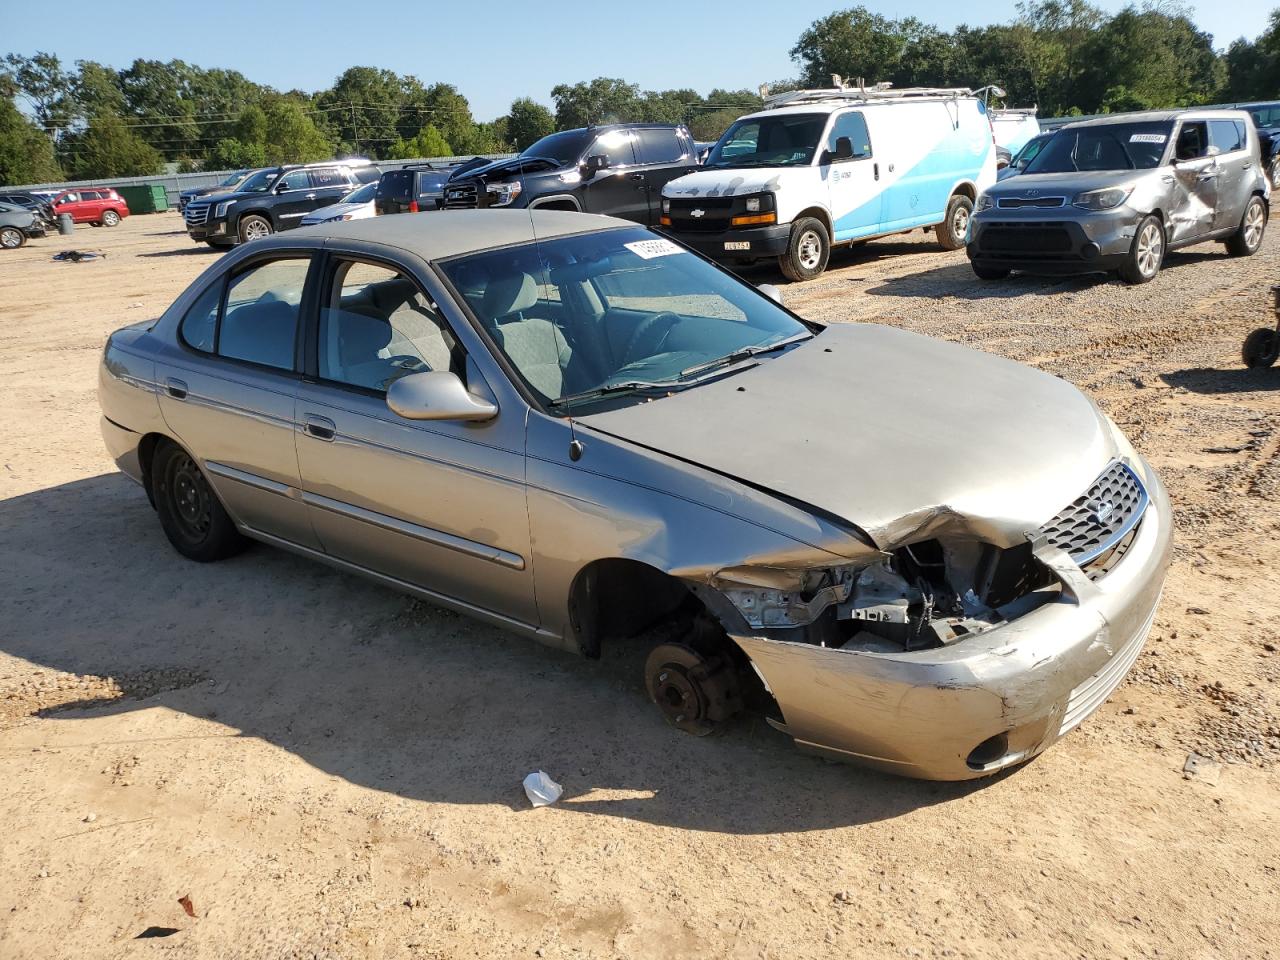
[[746, 353], [626, 386]]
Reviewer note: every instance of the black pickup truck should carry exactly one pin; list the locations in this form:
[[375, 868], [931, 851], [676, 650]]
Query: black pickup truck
[[618, 169], [271, 200]]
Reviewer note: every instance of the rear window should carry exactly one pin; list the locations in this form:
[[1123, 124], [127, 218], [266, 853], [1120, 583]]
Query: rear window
[[396, 184]]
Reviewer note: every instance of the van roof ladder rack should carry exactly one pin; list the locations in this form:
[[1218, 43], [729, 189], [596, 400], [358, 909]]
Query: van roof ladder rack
[[847, 92]]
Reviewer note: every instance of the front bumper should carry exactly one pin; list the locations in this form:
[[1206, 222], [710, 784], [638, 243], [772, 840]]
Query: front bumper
[[742, 243], [979, 705], [1064, 242], [211, 229]]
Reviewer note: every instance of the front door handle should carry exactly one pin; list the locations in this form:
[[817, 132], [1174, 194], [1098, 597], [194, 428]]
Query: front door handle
[[637, 176], [322, 428], [176, 388], [311, 196], [875, 168]]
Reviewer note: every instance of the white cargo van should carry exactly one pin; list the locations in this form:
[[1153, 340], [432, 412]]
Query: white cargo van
[[821, 168]]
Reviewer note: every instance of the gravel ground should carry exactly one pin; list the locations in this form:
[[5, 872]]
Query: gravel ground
[[327, 769]]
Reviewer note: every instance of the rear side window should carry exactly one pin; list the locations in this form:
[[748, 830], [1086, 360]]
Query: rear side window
[[853, 126], [90, 195], [200, 323], [367, 174], [660, 146], [1226, 135], [327, 177]]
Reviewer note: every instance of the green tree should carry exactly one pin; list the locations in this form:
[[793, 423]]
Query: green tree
[[44, 85], [26, 154], [292, 136], [1253, 67], [708, 125], [528, 121], [429, 142], [109, 148], [602, 100], [852, 43], [232, 154]]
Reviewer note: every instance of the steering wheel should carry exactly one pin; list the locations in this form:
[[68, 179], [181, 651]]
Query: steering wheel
[[643, 329]]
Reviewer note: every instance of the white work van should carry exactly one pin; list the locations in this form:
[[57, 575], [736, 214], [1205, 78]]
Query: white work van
[[822, 168]]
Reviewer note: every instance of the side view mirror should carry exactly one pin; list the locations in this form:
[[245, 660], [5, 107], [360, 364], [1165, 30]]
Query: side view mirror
[[437, 395], [770, 291], [280, 187], [843, 150], [594, 164]]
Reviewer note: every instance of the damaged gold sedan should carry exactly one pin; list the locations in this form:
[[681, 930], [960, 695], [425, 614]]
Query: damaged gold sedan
[[909, 554]]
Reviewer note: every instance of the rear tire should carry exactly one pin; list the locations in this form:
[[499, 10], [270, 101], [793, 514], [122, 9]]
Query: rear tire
[[1261, 348], [1246, 241], [808, 250], [110, 218], [254, 227], [11, 238], [953, 232], [1146, 253], [990, 273], [191, 515]]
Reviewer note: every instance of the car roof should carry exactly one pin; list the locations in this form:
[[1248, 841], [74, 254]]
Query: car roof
[[441, 234], [1158, 116]]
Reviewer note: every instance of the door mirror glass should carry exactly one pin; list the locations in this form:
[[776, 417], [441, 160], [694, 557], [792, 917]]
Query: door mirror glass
[[594, 164], [437, 395]]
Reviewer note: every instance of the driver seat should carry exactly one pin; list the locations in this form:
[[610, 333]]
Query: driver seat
[[534, 345]]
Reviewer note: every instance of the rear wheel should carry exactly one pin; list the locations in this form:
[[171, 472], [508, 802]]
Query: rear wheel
[[1246, 241], [1261, 347], [11, 238], [953, 232], [808, 250], [1146, 254], [1274, 174], [990, 273], [110, 218], [191, 515], [254, 227]]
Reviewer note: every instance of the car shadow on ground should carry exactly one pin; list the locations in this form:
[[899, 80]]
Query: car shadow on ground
[[186, 251], [387, 692], [1214, 380], [959, 282]]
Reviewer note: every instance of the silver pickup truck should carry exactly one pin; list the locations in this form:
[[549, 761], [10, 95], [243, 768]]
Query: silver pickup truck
[[1117, 193]]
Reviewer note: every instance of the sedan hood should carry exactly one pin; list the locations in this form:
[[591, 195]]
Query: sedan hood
[[723, 183], [1063, 184], [901, 435]]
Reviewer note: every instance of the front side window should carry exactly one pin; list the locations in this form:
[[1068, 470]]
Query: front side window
[[260, 320], [614, 315], [784, 140], [296, 180], [1107, 146], [376, 326], [1193, 141], [853, 126], [617, 146]]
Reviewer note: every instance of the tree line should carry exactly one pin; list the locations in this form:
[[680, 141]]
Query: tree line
[[89, 120]]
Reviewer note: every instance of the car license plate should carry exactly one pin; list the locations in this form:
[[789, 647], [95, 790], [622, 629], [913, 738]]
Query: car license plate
[[737, 244]]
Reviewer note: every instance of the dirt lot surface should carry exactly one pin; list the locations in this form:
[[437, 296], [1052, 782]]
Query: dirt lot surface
[[329, 769]]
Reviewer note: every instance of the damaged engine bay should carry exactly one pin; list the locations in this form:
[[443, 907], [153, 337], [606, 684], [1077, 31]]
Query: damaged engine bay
[[923, 595]]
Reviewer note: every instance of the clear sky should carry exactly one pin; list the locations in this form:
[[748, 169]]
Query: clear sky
[[495, 50]]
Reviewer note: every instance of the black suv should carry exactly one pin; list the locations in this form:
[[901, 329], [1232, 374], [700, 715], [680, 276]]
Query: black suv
[[619, 169], [418, 187], [269, 201]]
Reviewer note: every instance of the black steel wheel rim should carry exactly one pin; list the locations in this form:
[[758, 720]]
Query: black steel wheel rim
[[191, 499]]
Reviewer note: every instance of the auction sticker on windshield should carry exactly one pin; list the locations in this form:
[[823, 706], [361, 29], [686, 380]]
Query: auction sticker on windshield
[[1148, 138], [649, 249]]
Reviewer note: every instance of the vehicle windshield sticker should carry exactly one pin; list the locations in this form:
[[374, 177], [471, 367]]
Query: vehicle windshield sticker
[[648, 249], [1148, 138]]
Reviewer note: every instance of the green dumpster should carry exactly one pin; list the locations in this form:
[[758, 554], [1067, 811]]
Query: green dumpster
[[145, 198]]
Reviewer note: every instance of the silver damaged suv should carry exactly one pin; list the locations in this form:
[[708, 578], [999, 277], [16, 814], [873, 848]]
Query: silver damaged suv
[[1117, 193]]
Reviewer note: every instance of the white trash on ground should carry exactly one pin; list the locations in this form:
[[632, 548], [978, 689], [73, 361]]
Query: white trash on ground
[[541, 789]]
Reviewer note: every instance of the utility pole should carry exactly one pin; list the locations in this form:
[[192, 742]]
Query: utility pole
[[355, 134]]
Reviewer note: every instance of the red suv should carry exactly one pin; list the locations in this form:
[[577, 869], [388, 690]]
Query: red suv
[[101, 206]]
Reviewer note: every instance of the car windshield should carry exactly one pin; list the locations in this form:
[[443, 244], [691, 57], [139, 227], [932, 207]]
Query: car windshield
[[1030, 150], [1265, 114], [361, 194], [1108, 146], [564, 148], [617, 316], [235, 178], [259, 182], [785, 140]]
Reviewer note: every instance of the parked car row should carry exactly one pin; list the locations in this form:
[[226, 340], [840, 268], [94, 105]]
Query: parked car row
[[29, 215]]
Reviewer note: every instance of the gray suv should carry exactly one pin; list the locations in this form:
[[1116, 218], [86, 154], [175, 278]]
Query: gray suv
[[1117, 193]]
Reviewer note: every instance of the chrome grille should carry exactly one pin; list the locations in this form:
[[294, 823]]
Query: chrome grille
[[1014, 203], [1097, 520], [462, 196], [196, 214]]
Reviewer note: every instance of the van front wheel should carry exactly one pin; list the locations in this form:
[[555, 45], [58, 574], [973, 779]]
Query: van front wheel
[[807, 251], [953, 232]]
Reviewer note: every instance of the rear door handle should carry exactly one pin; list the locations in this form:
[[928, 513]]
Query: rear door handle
[[322, 428], [176, 388], [637, 176], [311, 196]]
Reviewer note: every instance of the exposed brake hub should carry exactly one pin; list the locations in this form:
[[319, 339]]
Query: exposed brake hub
[[695, 693]]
